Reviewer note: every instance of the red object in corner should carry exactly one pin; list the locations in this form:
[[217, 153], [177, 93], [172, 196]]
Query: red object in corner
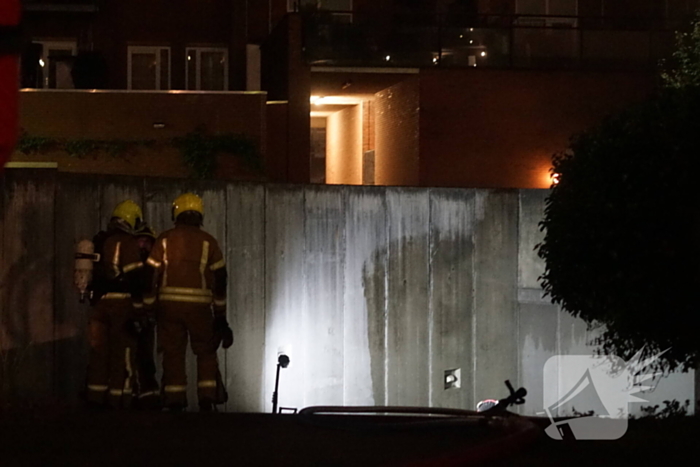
[[9, 85], [499, 449]]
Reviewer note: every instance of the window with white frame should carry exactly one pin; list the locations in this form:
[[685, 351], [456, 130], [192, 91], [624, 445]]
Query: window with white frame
[[148, 68], [207, 68], [55, 64]]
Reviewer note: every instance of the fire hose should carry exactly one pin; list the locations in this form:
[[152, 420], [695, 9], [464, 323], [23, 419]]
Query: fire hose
[[444, 416]]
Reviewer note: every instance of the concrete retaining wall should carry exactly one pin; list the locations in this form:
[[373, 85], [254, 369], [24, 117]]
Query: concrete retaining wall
[[373, 292]]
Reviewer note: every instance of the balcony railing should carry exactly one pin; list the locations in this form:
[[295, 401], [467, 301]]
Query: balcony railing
[[493, 41]]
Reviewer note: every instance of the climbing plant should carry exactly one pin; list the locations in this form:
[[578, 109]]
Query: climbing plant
[[199, 150], [29, 144]]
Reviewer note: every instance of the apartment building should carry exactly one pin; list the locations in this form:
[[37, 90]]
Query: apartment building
[[418, 92]]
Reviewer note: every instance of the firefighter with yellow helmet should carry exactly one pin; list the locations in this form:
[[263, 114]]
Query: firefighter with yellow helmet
[[189, 285], [117, 297]]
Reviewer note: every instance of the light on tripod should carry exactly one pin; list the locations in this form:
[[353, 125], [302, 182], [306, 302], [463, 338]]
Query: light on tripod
[[282, 362]]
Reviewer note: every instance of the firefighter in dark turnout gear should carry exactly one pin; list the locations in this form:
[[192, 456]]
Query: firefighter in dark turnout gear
[[148, 391], [118, 288], [189, 283]]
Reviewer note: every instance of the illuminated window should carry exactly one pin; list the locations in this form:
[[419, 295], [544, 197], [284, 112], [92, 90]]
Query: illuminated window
[[55, 63], [206, 69], [148, 68]]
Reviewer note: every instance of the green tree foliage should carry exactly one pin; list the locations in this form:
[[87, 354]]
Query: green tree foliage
[[622, 237], [684, 67]]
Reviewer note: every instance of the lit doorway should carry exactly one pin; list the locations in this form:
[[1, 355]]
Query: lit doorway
[[337, 140], [318, 150]]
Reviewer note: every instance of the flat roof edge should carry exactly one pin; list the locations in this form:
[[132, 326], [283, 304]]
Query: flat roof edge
[[384, 70]]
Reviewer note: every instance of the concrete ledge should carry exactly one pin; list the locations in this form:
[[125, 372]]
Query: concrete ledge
[[341, 69], [70, 8], [31, 165], [136, 91]]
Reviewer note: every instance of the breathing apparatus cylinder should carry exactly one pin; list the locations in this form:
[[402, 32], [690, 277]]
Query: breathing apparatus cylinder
[[85, 257]]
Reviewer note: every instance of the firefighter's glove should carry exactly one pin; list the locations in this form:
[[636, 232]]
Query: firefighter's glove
[[223, 332]]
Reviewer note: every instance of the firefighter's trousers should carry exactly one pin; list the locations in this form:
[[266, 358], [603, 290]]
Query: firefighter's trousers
[[148, 396], [111, 375], [177, 320]]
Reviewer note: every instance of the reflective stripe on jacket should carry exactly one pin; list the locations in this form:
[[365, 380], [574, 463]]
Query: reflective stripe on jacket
[[120, 257], [185, 259]]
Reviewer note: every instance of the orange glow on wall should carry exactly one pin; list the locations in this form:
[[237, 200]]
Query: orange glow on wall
[[344, 147], [545, 178]]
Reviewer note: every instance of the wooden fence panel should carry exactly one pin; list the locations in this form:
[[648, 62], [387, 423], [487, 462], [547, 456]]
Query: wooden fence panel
[[284, 293], [245, 261], [322, 318], [408, 277], [495, 285], [451, 295], [366, 256], [27, 277], [77, 218]]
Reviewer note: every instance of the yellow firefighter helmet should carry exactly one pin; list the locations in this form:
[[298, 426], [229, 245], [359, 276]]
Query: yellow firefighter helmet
[[187, 202], [129, 212]]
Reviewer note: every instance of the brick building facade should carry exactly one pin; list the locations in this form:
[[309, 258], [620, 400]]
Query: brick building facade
[[423, 92]]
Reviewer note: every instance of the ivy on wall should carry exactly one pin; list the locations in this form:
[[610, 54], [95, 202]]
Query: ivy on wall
[[198, 149], [30, 144]]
